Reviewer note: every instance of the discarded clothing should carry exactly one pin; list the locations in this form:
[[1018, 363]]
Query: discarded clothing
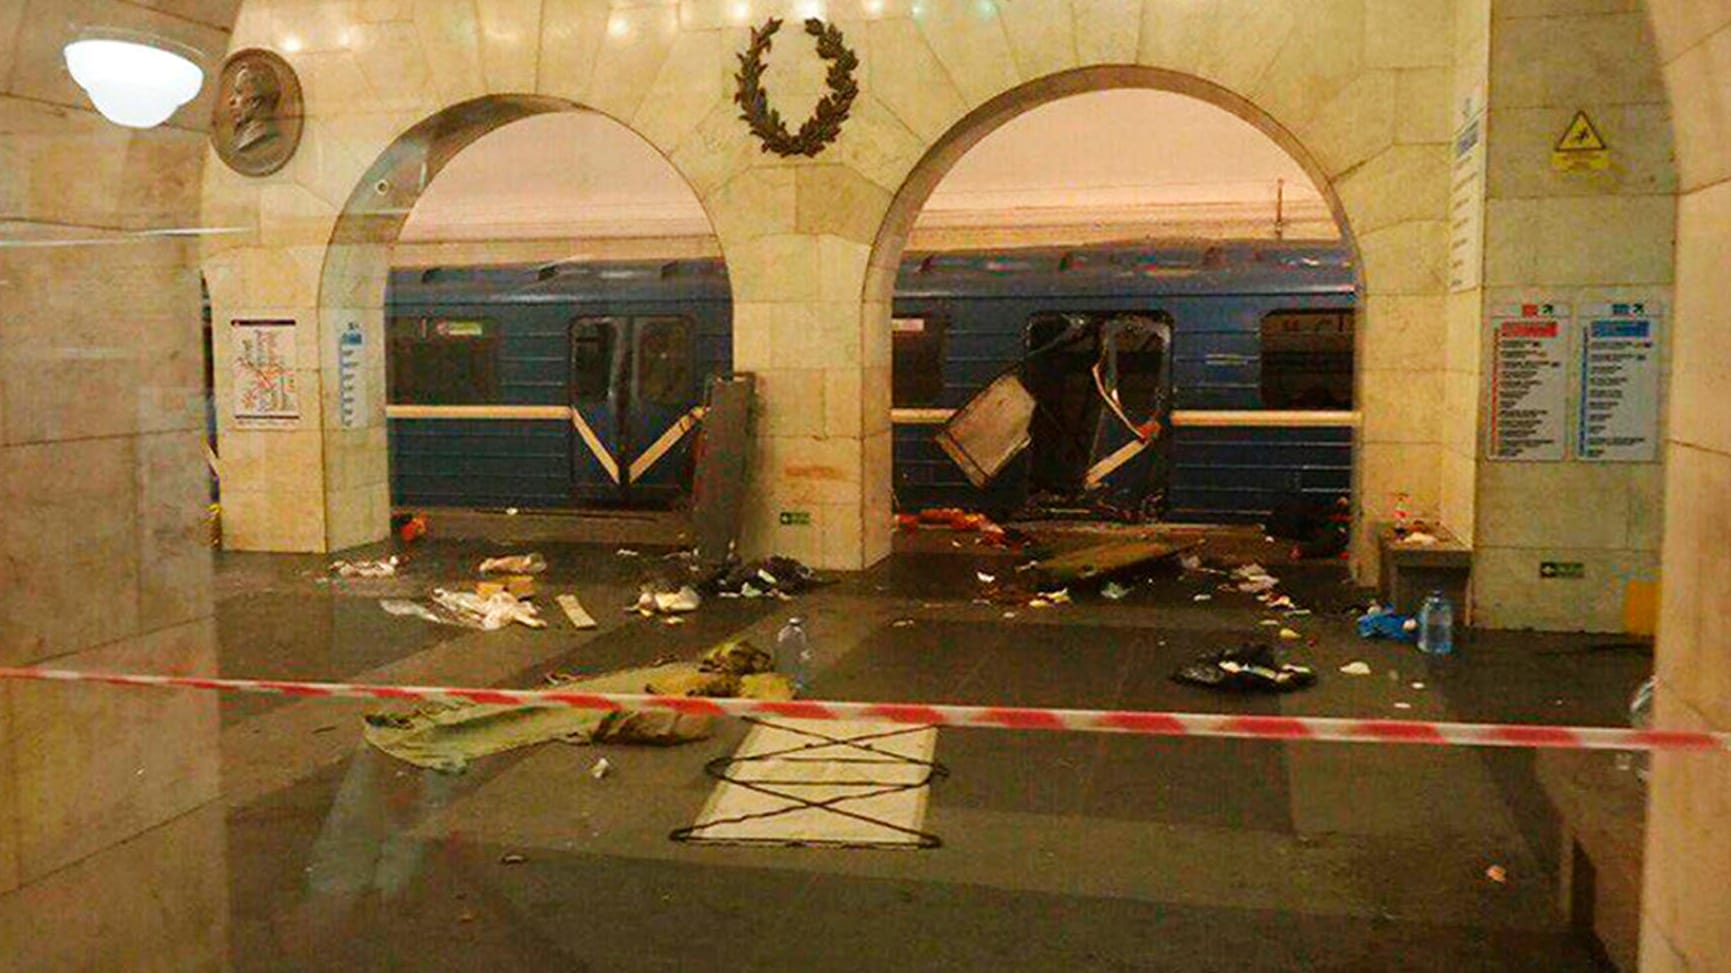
[[770, 576], [1383, 623], [1249, 669], [447, 736], [514, 564]]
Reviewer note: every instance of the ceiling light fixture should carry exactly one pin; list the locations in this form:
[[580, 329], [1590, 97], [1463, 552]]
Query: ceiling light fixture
[[138, 85]]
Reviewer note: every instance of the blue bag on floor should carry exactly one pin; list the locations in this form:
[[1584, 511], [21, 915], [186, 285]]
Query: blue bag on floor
[[1383, 623]]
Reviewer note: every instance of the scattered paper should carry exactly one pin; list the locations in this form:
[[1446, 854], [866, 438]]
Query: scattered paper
[[1497, 874], [601, 769], [384, 568], [1113, 591], [1290, 635], [1356, 669], [1202, 598], [410, 609], [985, 578]]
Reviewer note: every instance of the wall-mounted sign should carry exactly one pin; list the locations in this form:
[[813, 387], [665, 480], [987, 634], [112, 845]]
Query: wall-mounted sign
[[1562, 570], [796, 518], [351, 384], [1467, 199], [1619, 381], [1582, 148], [1529, 382], [266, 391]]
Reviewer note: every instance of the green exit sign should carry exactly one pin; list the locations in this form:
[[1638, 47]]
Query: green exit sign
[[796, 518], [1566, 570]]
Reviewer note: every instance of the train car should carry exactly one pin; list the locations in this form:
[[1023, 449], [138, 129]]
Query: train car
[[551, 387], [1201, 383]]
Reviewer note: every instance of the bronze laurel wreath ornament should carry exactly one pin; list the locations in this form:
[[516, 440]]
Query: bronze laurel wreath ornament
[[824, 126]]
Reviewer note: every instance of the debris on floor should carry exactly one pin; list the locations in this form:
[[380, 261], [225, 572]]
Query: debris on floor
[[1290, 635], [447, 737], [601, 769], [518, 585], [1497, 874], [1254, 579], [513, 859], [666, 600], [1383, 623], [1113, 591], [1112, 557], [382, 568], [626, 552], [1202, 597], [1356, 669], [490, 613], [514, 564], [409, 528], [574, 611], [771, 577], [403, 607], [1248, 668]]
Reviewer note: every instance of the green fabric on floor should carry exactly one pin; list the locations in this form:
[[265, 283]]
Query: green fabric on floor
[[445, 737]]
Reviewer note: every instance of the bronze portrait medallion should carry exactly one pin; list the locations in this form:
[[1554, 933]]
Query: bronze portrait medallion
[[256, 123]]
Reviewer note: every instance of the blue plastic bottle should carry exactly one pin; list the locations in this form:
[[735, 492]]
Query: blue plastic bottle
[[793, 651], [1436, 625]]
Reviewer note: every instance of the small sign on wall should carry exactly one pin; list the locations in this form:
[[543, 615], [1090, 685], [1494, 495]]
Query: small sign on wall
[[1582, 148], [1619, 384], [1529, 383], [796, 518], [1562, 570], [266, 389], [351, 383]]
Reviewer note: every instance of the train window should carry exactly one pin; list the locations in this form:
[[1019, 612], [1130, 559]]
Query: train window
[[664, 361], [1307, 359], [443, 362], [917, 362], [592, 342]]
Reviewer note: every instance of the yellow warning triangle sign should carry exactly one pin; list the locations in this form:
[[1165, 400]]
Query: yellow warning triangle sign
[[1581, 136]]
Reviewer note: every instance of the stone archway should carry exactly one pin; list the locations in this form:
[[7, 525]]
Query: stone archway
[[1382, 458], [335, 490]]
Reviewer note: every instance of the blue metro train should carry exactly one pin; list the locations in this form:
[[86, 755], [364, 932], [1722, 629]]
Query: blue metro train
[[1198, 383]]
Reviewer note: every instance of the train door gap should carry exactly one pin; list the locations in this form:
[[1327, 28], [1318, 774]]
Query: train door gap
[[633, 404], [1102, 390]]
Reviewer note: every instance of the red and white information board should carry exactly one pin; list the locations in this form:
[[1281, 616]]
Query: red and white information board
[[1530, 383]]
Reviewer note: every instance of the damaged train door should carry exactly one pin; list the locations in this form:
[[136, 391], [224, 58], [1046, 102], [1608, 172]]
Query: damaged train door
[[1099, 438]]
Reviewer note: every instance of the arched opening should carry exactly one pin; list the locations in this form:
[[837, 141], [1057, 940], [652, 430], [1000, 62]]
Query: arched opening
[[1166, 282], [546, 298]]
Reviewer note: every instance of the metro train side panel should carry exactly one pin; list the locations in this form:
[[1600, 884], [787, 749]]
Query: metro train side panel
[[622, 435]]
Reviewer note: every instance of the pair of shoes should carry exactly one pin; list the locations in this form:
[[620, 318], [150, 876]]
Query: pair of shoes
[[1249, 668]]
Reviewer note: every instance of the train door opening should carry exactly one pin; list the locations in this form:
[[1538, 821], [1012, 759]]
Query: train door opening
[[1101, 384], [634, 400]]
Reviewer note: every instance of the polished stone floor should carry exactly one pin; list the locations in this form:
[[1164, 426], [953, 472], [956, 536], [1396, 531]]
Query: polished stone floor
[[1060, 851]]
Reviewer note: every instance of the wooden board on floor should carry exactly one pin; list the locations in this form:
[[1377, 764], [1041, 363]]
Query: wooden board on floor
[[1111, 557]]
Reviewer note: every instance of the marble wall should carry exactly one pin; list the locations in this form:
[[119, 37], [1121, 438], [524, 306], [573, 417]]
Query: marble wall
[[1687, 920], [107, 799], [1578, 238], [1360, 89]]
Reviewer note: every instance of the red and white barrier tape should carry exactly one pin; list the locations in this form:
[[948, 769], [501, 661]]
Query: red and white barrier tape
[[1286, 728]]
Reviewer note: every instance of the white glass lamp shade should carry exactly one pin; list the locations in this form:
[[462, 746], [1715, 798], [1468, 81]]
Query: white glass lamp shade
[[133, 84]]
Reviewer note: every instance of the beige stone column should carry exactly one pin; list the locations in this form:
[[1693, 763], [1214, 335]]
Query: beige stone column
[[797, 242], [1580, 238], [108, 800]]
